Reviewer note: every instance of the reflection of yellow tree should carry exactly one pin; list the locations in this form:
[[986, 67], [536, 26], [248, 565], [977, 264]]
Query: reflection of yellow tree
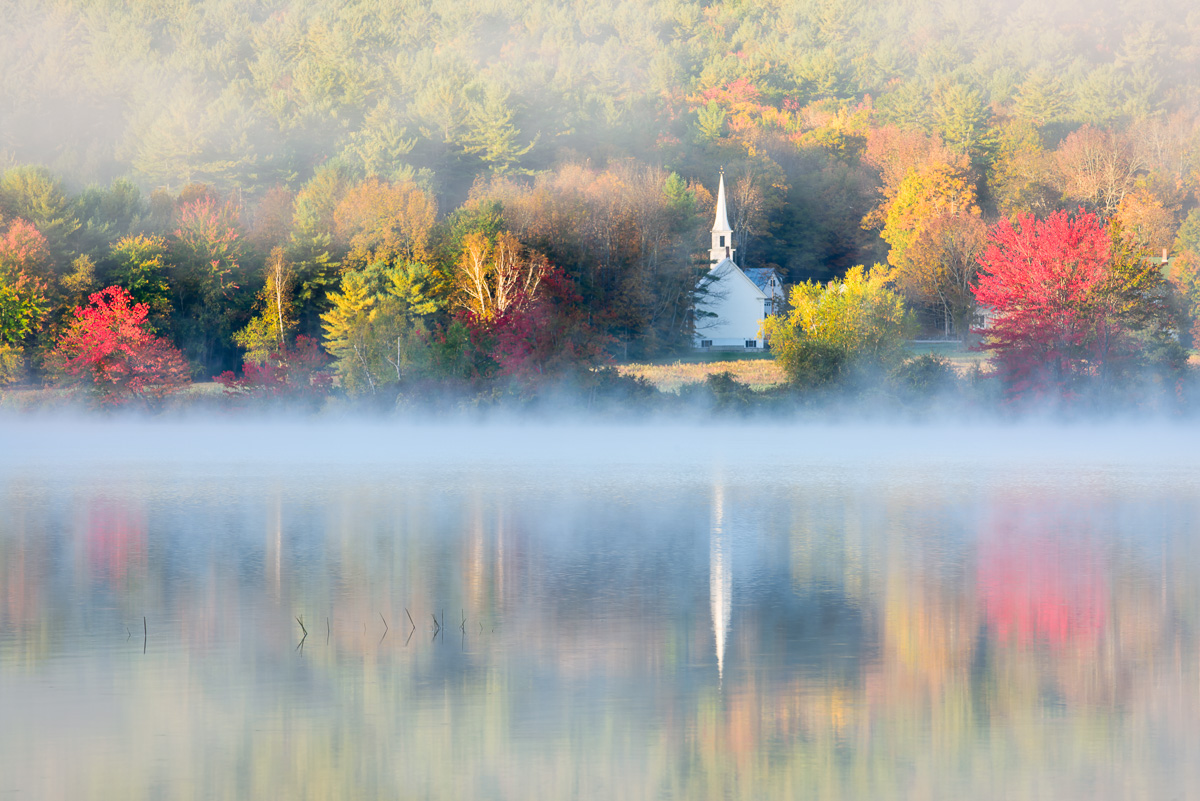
[[928, 638], [923, 684], [21, 601]]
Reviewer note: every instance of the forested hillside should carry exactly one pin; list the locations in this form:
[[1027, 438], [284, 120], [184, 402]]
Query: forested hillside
[[172, 147]]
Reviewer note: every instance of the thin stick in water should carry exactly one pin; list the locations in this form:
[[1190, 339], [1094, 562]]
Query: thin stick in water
[[410, 620]]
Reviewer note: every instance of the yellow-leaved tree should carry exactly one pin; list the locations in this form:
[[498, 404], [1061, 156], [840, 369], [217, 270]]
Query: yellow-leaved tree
[[840, 331], [268, 332], [376, 330], [495, 277], [934, 190]]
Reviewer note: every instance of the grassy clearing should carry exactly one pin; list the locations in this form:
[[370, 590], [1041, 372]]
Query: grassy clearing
[[26, 399], [204, 388], [760, 371], [960, 359]]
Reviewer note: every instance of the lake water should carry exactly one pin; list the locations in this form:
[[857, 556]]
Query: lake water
[[622, 612]]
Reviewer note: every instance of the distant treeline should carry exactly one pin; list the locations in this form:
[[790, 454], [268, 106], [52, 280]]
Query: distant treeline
[[255, 95], [460, 192]]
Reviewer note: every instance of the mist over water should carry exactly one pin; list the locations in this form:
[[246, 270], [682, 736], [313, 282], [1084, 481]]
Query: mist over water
[[756, 446], [622, 611]]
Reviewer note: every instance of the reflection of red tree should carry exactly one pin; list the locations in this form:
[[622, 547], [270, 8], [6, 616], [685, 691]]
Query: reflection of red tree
[[116, 540], [1039, 581]]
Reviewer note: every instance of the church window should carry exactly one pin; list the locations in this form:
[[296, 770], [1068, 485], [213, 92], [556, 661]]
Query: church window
[[706, 343], [722, 241], [751, 343]]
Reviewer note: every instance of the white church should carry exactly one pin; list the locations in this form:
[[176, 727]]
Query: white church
[[734, 301]]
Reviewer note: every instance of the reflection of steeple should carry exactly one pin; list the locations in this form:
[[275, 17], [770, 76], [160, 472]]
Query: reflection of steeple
[[720, 579]]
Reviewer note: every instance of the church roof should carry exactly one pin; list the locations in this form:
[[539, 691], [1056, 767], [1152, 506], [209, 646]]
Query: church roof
[[722, 221], [728, 268], [760, 275]]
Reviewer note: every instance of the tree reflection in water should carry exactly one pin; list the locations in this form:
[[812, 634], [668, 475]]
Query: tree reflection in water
[[890, 638]]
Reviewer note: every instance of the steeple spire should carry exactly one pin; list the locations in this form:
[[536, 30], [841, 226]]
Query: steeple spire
[[722, 234], [722, 221]]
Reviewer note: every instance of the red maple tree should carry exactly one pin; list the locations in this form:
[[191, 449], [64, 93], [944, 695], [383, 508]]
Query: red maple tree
[[295, 373], [540, 335], [108, 350], [1040, 282]]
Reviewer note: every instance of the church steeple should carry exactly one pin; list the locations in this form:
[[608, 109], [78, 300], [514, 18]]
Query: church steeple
[[722, 234]]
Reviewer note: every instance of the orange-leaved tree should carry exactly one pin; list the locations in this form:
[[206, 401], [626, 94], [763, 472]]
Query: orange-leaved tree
[[941, 266], [23, 303], [108, 352], [379, 221]]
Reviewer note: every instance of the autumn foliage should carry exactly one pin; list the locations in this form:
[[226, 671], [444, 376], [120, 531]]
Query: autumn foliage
[[108, 351], [1040, 282], [23, 246], [23, 258], [840, 332], [546, 335], [209, 234], [295, 372], [381, 221]]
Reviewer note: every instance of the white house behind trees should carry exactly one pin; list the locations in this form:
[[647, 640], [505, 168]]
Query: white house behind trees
[[733, 302]]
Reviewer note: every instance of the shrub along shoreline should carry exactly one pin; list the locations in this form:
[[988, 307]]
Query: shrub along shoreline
[[924, 386]]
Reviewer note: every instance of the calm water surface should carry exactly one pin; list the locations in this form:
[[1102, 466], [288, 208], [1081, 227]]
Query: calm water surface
[[608, 613]]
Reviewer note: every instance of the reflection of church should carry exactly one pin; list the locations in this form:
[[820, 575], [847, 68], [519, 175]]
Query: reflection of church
[[734, 301], [720, 579]]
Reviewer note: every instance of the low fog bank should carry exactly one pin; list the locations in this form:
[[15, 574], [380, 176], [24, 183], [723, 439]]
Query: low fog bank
[[754, 447]]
